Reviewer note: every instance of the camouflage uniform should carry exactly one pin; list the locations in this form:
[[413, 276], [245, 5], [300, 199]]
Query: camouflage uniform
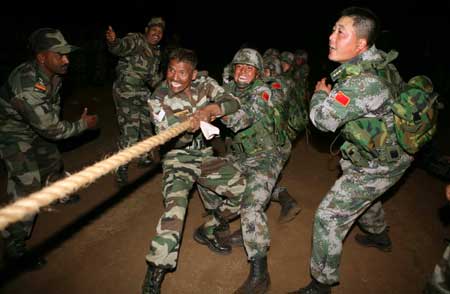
[[183, 164], [354, 196], [29, 123], [439, 282], [137, 70], [256, 153]]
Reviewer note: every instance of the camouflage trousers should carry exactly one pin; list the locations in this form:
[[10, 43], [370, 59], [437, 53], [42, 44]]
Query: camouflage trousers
[[353, 197], [439, 283], [28, 164], [182, 169], [133, 115], [285, 152]]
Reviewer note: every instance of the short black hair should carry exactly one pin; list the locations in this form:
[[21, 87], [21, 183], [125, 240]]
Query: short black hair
[[365, 21], [185, 55]]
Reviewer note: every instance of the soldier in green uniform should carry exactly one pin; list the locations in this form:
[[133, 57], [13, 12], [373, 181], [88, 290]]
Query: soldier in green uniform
[[138, 71], [366, 100], [184, 91], [29, 126]]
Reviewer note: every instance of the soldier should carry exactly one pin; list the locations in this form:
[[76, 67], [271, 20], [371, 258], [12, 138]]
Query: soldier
[[256, 151], [365, 175], [184, 91], [29, 125], [439, 282], [301, 72], [137, 72]]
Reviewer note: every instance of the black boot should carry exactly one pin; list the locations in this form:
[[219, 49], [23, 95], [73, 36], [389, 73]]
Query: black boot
[[214, 243], [16, 254], [122, 175], [258, 280], [380, 241], [153, 279], [145, 161], [289, 207], [314, 287], [235, 239]]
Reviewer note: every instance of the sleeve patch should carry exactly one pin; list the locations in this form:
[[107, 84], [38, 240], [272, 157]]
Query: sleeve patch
[[342, 99], [276, 86], [265, 96], [40, 87]]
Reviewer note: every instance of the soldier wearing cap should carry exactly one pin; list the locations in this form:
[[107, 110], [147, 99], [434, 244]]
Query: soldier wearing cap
[[138, 71], [29, 123]]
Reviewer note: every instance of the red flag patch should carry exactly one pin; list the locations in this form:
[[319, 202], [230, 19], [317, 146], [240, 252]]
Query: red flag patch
[[265, 96], [342, 99], [276, 86]]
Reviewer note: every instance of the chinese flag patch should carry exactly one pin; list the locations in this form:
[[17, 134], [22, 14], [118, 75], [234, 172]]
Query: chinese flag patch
[[342, 99], [265, 96], [276, 86]]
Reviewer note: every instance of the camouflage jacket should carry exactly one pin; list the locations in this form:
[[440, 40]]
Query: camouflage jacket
[[139, 62], [168, 108], [30, 106], [355, 95]]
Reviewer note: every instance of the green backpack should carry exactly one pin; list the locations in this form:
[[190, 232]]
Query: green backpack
[[415, 114]]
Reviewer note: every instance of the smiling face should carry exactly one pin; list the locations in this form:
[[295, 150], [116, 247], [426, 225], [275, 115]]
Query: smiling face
[[180, 75], [344, 43], [154, 34]]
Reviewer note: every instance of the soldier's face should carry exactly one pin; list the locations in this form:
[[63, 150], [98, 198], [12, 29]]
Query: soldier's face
[[53, 63], [344, 43], [154, 34], [180, 75], [244, 74]]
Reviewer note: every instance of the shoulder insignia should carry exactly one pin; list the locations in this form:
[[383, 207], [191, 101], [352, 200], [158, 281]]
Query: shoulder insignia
[[342, 99], [276, 86], [40, 87], [265, 96]]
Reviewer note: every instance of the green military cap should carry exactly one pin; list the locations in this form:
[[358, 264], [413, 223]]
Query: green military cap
[[48, 39], [157, 21]]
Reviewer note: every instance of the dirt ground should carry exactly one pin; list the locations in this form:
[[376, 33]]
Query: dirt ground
[[99, 245]]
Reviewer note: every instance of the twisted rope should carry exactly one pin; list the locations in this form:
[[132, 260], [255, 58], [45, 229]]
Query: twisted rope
[[32, 203]]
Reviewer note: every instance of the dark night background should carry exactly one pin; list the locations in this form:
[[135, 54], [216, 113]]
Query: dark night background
[[216, 30]]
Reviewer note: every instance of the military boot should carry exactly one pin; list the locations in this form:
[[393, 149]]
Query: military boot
[[16, 254], [380, 241], [213, 242], [258, 280], [153, 280], [122, 175], [145, 161], [289, 207], [314, 287]]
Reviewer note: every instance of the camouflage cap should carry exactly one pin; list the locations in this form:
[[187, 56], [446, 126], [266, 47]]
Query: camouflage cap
[[287, 57], [422, 82], [48, 39], [249, 56], [157, 21]]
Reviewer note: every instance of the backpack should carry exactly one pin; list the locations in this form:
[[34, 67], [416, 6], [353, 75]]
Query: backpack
[[415, 114]]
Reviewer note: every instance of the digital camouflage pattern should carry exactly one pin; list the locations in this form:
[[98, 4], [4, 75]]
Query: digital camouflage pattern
[[354, 196], [260, 161], [137, 70], [186, 163], [250, 57], [29, 121], [439, 283]]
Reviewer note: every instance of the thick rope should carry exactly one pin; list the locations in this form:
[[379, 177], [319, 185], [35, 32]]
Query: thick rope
[[32, 203]]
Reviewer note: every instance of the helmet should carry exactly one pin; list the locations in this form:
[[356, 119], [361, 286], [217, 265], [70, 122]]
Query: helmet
[[287, 57], [273, 64], [271, 52], [300, 53], [422, 82], [157, 21], [250, 57]]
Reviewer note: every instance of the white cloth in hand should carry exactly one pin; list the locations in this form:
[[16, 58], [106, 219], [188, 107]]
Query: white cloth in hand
[[208, 130]]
